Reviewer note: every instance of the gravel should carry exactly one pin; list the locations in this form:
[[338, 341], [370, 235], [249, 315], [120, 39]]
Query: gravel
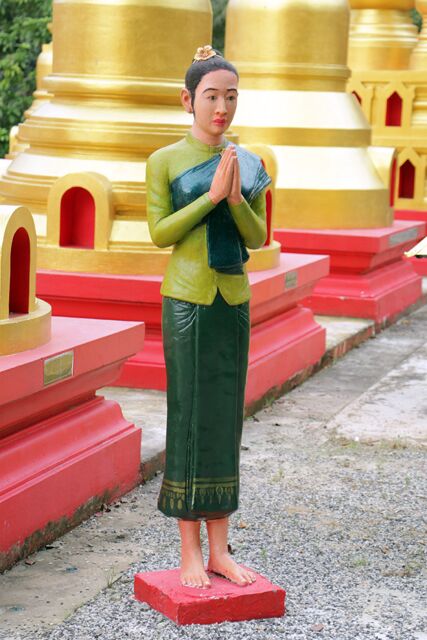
[[340, 524]]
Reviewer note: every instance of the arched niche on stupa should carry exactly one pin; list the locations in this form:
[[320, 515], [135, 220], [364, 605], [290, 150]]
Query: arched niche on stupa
[[80, 211], [20, 257], [385, 162], [393, 112], [18, 268], [24, 320], [393, 105], [364, 94], [409, 178]]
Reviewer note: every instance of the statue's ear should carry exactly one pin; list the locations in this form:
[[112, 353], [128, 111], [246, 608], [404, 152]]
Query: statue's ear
[[186, 100]]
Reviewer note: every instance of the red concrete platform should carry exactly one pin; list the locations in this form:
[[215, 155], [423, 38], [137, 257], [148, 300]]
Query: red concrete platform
[[222, 601], [285, 338], [369, 276], [419, 264], [410, 214], [63, 450]]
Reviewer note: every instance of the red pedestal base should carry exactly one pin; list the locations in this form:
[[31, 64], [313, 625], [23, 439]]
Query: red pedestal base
[[223, 601], [369, 277], [410, 214], [63, 450], [284, 337]]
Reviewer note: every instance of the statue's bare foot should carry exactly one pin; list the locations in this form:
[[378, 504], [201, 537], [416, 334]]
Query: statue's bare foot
[[193, 573], [225, 565]]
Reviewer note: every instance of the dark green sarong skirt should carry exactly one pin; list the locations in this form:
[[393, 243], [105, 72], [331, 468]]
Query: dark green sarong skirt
[[206, 353]]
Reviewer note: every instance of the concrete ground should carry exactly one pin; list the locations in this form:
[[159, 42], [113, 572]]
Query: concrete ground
[[343, 457]]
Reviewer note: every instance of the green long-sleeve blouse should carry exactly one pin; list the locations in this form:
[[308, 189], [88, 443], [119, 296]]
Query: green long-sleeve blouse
[[188, 275]]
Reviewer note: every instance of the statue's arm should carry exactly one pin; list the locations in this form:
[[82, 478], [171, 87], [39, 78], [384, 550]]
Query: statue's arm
[[251, 220], [166, 226]]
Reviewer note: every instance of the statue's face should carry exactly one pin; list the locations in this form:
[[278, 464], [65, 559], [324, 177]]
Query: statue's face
[[215, 103]]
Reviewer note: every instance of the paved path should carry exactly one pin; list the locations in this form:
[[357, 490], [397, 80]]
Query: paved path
[[333, 508]]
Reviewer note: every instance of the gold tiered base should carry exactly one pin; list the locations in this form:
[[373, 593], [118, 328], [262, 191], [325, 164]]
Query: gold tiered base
[[143, 262], [27, 331], [267, 257], [328, 174]]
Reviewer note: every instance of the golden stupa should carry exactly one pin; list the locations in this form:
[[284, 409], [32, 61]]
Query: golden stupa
[[117, 72], [389, 78], [292, 59], [115, 81]]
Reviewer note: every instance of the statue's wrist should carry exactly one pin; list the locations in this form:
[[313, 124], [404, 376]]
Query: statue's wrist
[[212, 198], [235, 201]]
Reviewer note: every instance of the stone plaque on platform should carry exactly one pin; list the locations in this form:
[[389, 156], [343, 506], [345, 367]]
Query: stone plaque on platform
[[58, 367], [291, 279], [403, 236]]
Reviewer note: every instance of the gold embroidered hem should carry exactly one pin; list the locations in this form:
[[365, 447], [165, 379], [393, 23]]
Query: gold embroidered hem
[[216, 493]]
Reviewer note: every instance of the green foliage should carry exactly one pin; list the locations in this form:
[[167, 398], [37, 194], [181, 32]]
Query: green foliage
[[417, 19], [23, 30], [219, 8]]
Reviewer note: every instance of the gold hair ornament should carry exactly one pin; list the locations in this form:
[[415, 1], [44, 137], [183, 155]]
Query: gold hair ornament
[[204, 53]]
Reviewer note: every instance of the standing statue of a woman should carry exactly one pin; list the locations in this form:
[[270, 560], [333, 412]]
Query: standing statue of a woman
[[206, 197]]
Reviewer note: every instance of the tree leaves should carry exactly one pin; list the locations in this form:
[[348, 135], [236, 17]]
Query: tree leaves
[[417, 19], [219, 8], [23, 30]]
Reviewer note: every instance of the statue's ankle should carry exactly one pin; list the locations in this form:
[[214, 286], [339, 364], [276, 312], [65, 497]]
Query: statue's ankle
[[217, 554]]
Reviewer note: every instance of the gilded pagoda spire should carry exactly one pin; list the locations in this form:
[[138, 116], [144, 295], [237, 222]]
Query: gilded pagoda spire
[[292, 57], [382, 34], [116, 76], [288, 44]]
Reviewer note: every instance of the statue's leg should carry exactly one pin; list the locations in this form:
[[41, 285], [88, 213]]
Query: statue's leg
[[193, 573], [220, 560]]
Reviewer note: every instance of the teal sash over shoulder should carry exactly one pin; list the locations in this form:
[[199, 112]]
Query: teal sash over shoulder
[[226, 251]]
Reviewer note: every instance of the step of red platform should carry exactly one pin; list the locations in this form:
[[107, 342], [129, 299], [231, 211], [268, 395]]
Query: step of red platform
[[410, 214], [370, 277], [354, 250], [379, 294], [222, 601]]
